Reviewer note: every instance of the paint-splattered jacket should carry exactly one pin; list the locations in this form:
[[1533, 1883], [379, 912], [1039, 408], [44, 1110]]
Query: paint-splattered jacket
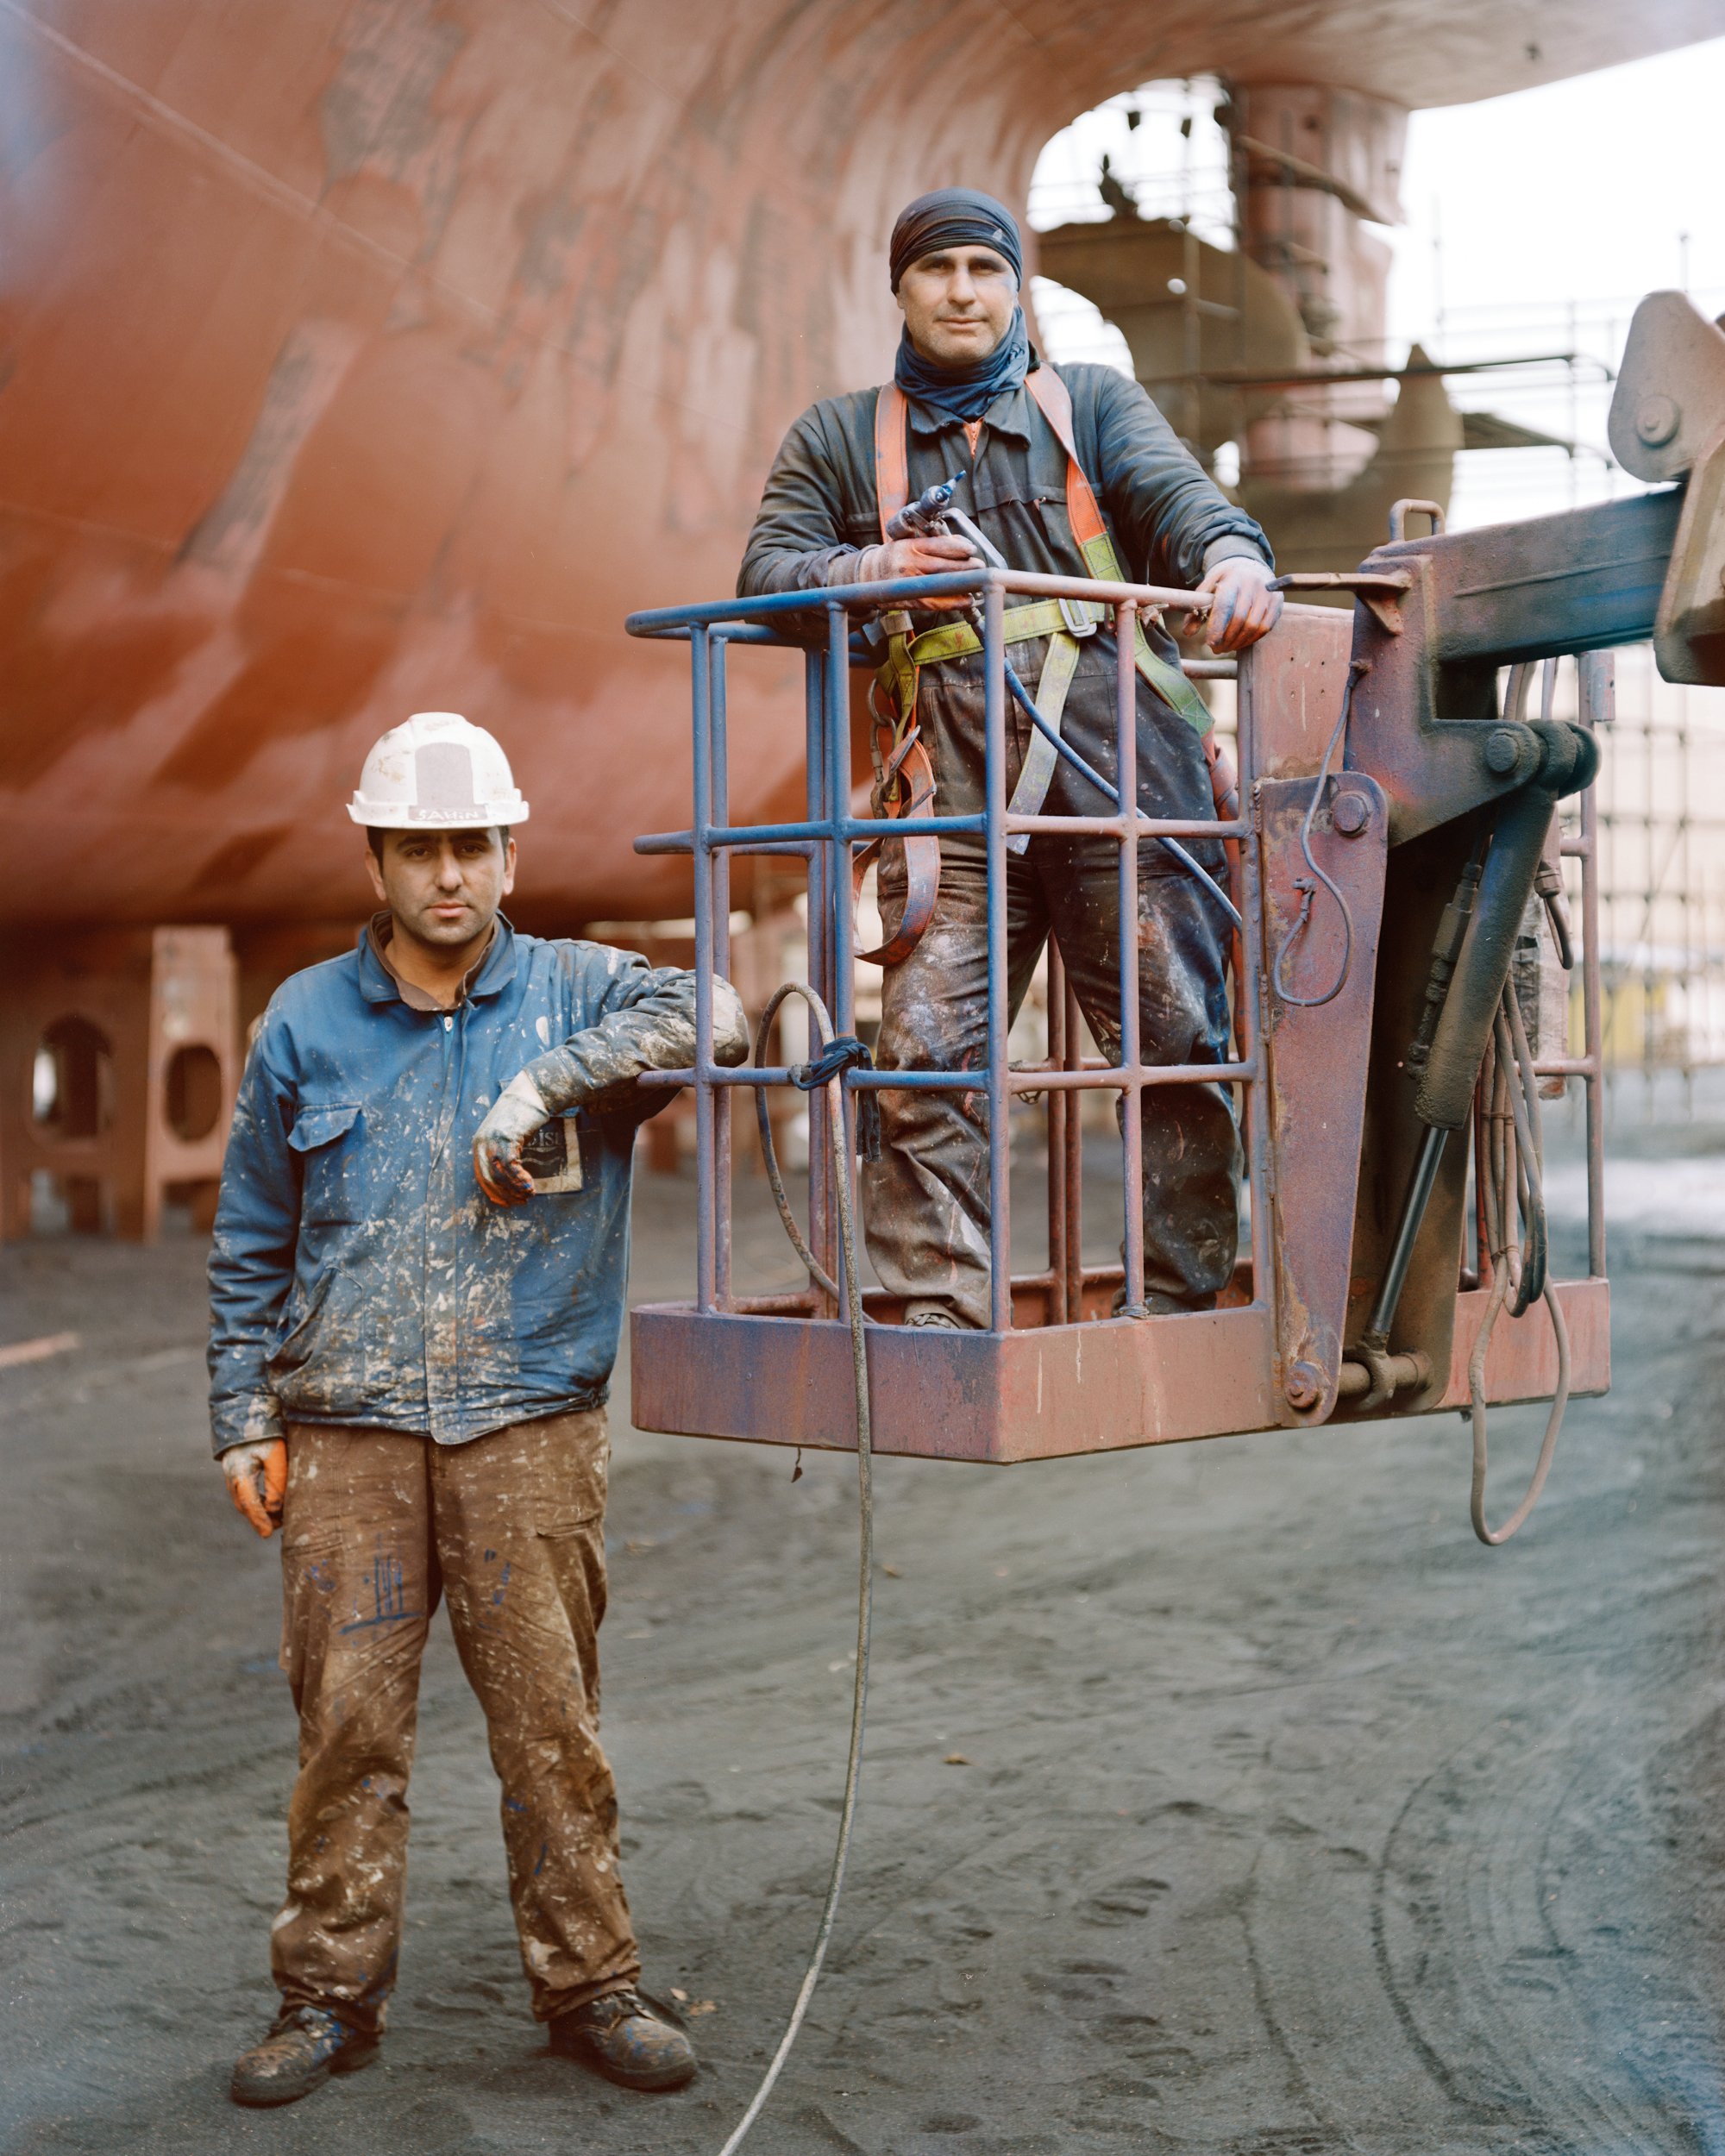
[[359, 1274]]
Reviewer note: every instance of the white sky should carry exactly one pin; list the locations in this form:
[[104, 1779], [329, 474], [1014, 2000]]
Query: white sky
[[1578, 191], [1539, 219]]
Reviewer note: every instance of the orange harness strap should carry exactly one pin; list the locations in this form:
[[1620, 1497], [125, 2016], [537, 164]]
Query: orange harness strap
[[1085, 515], [909, 756], [892, 452], [1083, 511]]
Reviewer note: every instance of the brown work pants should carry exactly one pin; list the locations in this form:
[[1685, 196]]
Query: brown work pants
[[510, 1528], [926, 1199]]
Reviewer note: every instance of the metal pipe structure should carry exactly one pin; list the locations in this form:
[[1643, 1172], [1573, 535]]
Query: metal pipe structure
[[718, 904], [1131, 1129], [1046, 1377], [841, 994], [999, 1024], [825, 836], [1595, 680], [1071, 1165], [706, 1224], [823, 1226]]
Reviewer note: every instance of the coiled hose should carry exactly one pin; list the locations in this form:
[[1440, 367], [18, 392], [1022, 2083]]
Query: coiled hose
[[1510, 1183], [1306, 886], [852, 1298]]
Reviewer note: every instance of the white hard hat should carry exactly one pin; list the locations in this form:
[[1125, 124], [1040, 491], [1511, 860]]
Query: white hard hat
[[437, 770]]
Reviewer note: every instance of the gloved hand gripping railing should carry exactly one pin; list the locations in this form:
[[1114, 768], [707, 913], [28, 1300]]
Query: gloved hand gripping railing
[[826, 1072]]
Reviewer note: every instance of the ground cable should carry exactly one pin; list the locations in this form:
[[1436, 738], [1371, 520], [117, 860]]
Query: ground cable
[[1512, 1171], [852, 1300]]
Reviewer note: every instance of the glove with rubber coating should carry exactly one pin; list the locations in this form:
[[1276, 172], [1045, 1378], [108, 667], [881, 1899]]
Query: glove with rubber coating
[[257, 1481], [931, 554], [515, 1115], [598, 1066], [1243, 607]]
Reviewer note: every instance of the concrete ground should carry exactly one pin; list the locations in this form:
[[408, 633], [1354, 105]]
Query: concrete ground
[[1288, 1818]]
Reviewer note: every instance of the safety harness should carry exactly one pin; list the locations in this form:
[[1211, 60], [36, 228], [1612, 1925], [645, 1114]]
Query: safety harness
[[904, 775]]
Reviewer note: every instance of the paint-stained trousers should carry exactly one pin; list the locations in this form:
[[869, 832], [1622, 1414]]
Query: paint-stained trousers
[[926, 1198], [509, 1530]]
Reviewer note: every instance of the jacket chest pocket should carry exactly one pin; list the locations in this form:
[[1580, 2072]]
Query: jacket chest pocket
[[329, 1165], [562, 1155]]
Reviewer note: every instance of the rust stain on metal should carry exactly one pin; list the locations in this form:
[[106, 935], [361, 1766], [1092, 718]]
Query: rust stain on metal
[[371, 357]]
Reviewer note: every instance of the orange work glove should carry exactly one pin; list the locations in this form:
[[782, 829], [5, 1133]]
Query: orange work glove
[[928, 554], [257, 1480]]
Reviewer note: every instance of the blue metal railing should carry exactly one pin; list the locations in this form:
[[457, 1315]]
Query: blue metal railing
[[824, 837]]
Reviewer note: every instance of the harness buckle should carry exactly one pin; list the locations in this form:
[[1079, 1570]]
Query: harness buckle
[[1077, 617]]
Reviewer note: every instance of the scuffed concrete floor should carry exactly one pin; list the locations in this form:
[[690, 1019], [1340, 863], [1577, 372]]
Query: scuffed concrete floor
[[1293, 1820]]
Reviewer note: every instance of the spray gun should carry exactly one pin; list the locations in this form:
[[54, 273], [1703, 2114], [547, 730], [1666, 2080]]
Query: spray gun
[[932, 512], [929, 513]]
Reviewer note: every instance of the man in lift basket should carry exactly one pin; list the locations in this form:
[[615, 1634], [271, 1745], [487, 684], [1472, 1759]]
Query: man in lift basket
[[1070, 471], [412, 1380]]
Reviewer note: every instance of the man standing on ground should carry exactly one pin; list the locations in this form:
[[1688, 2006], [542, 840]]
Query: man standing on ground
[[1071, 472], [411, 1375]]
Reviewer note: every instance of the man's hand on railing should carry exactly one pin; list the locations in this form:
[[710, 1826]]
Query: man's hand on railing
[[930, 555], [1243, 607]]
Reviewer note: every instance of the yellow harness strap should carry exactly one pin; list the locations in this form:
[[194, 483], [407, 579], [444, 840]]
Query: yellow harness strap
[[900, 672], [957, 640]]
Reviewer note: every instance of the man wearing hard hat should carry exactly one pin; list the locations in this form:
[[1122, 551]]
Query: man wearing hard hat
[[409, 1366]]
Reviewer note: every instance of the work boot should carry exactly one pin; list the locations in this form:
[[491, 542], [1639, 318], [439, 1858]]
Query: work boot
[[620, 2036], [304, 2047], [1157, 1305], [934, 1314]]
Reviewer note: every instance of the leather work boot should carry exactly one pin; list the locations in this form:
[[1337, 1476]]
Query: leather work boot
[[304, 2047], [933, 1316], [620, 2036], [1157, 1305]]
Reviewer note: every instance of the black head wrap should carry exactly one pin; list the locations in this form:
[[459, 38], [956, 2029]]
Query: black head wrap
[[955, 216]]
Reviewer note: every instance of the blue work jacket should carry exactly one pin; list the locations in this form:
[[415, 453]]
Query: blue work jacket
[[359, 1274]]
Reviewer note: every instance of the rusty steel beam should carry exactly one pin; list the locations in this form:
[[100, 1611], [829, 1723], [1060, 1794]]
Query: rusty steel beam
[[1046, 1393]]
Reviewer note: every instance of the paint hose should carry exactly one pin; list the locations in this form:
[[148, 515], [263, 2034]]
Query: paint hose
[[1510, 1181], [851, 1299]]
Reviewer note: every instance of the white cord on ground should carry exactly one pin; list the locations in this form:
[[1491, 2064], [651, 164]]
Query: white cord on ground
[[865, 1498], [1511, 1161]]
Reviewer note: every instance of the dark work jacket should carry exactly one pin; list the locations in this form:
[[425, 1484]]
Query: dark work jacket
[[1168, 521]]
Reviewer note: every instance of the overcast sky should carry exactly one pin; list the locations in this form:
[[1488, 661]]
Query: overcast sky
[[1539, 218], [1576, 191]]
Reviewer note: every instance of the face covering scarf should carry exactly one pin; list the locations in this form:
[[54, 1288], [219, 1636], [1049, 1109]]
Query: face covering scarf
[[966, 392]]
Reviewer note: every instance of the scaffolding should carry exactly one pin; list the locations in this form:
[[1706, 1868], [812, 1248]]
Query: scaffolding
[[1661, 791], [1662, 890]]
